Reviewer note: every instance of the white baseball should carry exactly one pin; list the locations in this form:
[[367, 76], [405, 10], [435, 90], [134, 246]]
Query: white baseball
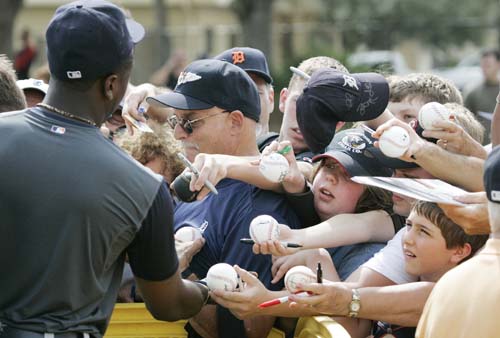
[[222, 276], [394, 141], [188, 234], [430, 112], [274, 167], [298, 275], [264, 228]]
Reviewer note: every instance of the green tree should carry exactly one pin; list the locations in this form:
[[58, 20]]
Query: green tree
[[256, 21], [382, 23]]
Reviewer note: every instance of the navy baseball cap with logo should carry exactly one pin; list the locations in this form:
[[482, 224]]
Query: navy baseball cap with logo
[[354, 149], [331, 96], [89, 39], [249, 59], [213, 83], [491, 176]]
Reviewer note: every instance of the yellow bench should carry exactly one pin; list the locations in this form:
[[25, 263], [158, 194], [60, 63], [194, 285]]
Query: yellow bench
[[132, 320], [320, 327]]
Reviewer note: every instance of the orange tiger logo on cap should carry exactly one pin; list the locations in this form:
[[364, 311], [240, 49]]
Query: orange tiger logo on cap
[[238, 57]]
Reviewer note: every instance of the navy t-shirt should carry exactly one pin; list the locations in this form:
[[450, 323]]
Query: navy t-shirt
[[224, 219]]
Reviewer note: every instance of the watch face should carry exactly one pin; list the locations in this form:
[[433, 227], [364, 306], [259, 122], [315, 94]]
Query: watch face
[[355, 307]]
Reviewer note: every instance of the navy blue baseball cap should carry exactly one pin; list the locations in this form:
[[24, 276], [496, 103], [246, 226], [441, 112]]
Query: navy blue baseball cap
[[213, 83], [491, 176], [354, 149], [90, 39], [249, 59], [331, 96]]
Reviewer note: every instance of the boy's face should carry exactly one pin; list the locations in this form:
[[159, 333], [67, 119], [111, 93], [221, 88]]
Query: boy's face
[[425, 249], [406, 110]]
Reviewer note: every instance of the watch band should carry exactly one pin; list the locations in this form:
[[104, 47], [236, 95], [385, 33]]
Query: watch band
[[355, 304]]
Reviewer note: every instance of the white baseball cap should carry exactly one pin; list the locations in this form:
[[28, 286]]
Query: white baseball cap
[[33, 84]]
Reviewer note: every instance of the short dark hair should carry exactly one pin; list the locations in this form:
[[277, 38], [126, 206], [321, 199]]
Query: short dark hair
[[491, 52], [11, 96], [453, 233]]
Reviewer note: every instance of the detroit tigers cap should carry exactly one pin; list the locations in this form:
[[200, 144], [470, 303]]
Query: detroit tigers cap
[[331, 96], [89, 39], [492, 176], [213, 83], [249, 59]]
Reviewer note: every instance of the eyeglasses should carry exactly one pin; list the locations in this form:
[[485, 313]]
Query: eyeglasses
[[188, 125]]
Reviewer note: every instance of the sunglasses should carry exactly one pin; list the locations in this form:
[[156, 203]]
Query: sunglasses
[[188, 125]]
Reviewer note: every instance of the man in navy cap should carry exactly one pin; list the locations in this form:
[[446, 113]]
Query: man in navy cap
[[217, 107], [68, 225], [254, 62]]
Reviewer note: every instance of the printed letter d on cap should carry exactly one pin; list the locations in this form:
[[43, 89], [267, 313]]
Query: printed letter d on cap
[[238, 57]]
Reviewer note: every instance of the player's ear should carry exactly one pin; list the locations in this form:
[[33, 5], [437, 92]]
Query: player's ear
[[110, 84]]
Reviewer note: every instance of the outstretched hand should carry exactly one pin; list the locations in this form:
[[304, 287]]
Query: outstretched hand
[[135, 99], [454, 138], [245, 303], [328, 298], [473, 217], [186, 250]]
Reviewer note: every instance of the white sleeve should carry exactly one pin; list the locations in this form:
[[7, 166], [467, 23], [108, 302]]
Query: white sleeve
[[390, 261]]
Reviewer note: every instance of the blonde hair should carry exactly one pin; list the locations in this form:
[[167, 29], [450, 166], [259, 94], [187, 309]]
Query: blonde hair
[[310, 65], [11, 96], [146, 147], [424, 86], [465, 119]]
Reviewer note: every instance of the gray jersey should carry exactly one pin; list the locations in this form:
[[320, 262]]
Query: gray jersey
[[71, 202]]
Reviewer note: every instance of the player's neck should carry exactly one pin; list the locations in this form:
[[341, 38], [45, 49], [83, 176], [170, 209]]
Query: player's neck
[[76, 103]]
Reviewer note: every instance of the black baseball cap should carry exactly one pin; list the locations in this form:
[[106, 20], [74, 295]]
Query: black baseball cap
[[213, 83], [331, 96], [491, 176], [354, 149], [89, 39], [249, 59]]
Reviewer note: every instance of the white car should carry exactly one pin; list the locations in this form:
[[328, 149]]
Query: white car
[[465, 75]]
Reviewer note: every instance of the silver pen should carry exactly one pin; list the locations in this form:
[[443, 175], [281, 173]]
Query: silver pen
[[195, 171], [300, 73]]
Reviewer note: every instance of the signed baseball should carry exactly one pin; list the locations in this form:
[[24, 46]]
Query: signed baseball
[[188, 234], [264, 228], [274, 167], [430, 112], [394, 141], [298, 275], [222, 276]]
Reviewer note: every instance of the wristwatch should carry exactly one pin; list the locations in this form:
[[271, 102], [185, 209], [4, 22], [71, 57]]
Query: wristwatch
[[355, 304]]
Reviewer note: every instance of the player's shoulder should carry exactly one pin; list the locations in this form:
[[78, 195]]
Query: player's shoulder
[[12, 114]]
